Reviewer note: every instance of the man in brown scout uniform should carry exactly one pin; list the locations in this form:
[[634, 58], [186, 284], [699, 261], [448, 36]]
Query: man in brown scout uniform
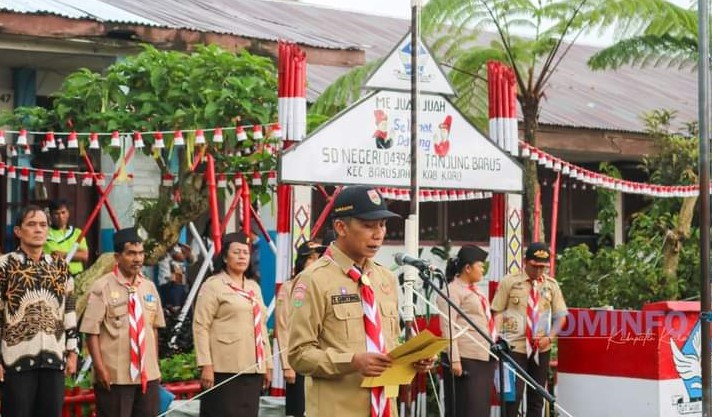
[[345, 313], [120, 321], [529, 313]]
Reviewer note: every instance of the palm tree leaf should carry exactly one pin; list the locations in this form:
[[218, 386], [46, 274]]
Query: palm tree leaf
[[645, 50], [344, 91]]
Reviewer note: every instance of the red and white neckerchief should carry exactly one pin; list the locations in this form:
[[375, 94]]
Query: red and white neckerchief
[[257, 322], [380, 404], [137, 332], [533, 320], [486, 309]]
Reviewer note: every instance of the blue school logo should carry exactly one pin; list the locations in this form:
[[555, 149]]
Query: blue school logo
[[687, 364]]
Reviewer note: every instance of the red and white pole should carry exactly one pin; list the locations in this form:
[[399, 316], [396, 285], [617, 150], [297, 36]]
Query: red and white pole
[[292, 119]]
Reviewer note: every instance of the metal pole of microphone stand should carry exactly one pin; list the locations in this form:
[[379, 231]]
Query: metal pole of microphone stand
[[412, 227], [495, 348], [502, 400]]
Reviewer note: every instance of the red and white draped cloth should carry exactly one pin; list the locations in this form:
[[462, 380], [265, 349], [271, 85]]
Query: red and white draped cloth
[[533, 320], [486, 309], [375, 342], [502, 97], [292, 99], [257, 322], [137, 332]]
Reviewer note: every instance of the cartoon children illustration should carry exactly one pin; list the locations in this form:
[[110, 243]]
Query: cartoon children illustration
[[383, 139]]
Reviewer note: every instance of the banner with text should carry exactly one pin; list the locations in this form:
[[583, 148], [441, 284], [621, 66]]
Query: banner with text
[[369, 143]]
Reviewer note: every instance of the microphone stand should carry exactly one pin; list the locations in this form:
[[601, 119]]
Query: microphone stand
[[500, 348]]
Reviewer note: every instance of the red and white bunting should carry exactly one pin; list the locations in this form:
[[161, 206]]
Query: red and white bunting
[[2, 168], [3, 142], [534, 155], [72, 142], [158, 141], [167, 180], [28, 151], [256, 178], [22, 138], [199, 137], [222, 180], [94, 141], [100, 180], [272, 178], [51, 142], [39, 176], [87, 180], [257, 132], [24, 174], [12, 151], [11, 171], [115, 139], [60, 145], [276, 131], [138, 140], [241, 134], [594, 179], [71, 178], [178, 138], [56, 178], [218, 135]]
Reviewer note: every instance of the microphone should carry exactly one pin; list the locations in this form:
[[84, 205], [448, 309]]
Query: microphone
[[420, 264]]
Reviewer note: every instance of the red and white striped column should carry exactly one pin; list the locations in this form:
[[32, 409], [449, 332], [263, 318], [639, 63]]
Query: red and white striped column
[[505, 229], [503, 131], [502, 92], [292, 120]]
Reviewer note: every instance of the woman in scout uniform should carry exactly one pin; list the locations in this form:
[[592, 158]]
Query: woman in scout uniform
[[529, 313], [307, 254], [469, 356], [231, 340]]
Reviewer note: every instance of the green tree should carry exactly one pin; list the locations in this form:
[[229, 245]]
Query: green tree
[[650, 32], [660, 259], [457, 29], [167, 90]]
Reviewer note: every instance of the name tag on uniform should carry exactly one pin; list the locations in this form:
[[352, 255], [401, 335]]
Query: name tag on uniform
[[345, 299]]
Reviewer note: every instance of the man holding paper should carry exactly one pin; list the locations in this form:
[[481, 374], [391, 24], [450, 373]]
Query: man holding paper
[[345, 314]]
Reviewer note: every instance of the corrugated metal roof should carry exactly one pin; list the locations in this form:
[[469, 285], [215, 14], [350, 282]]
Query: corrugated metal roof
[[76, 9], [268, 20], [576, 96]]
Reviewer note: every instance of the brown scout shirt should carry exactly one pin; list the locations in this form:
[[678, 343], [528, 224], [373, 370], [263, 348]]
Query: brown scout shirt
[[224, 330], [511, 301], [107, 314], [463, 346], [327, 329], [281, 320]]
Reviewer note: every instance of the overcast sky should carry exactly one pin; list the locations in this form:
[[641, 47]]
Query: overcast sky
[[401, 8]]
